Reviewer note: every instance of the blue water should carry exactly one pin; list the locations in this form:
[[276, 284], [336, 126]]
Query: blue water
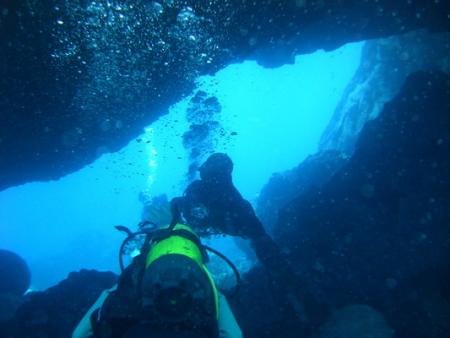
[[278, 115]]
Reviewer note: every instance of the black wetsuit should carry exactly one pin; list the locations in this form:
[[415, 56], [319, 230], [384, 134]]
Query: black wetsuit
[[229, 213]]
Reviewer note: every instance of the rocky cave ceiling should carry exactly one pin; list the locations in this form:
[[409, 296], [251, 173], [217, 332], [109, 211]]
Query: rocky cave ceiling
[[71, 72]]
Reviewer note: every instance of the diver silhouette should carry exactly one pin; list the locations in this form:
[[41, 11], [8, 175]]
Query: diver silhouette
[[213, 204]]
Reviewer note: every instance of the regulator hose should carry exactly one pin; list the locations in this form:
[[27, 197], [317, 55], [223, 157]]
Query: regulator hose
[[231, 265]]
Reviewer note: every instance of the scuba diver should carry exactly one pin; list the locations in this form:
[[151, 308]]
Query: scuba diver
[[212, 204], [165, 292]]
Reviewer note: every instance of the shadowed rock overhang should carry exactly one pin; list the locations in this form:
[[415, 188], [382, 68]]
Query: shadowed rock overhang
[[78, 79]]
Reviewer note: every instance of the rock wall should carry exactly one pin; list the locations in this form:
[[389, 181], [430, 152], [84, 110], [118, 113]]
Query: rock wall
[[79, 79], [377, 233], [283, 187], [54, 313], [385, 64]]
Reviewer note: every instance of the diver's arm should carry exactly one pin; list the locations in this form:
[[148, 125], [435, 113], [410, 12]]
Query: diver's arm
[[84, 328], [245, 221], [228, 326]]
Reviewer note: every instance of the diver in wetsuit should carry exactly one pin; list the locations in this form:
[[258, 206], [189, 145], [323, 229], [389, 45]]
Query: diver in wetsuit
[[167, 291], [213, 202]]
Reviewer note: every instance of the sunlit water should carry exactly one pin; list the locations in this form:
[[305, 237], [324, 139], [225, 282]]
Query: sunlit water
[[278, 116]]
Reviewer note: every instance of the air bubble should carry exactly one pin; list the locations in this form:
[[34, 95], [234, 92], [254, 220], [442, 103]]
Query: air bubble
[[186, 15]]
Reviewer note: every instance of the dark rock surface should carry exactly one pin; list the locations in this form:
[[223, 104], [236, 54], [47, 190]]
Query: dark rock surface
[[15, 274], [78, 79], [283, 187], [14, 282], [259, 316], [377, 233], [54, 313], [385, 64]]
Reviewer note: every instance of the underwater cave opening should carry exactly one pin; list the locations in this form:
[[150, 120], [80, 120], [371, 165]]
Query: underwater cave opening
[[267, 120]]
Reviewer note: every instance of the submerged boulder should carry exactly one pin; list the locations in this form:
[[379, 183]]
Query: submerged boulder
[[360, 321], [54, 313], [14, 282], [14, 272]]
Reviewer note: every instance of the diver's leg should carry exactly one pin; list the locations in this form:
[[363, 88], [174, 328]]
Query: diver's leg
[[228, 326]]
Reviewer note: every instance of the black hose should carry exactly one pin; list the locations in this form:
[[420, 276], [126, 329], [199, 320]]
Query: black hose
[[176, 212], [143, 224], [122, 246], [125, 241], [232, 266]]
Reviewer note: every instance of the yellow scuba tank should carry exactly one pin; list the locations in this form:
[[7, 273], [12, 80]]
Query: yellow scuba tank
[[176, 286]]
